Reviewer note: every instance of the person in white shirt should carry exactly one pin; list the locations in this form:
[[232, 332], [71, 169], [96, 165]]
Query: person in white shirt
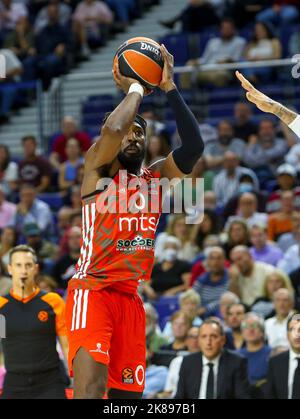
[[266, 104], [275, 327], [291, 259], [284, 369]]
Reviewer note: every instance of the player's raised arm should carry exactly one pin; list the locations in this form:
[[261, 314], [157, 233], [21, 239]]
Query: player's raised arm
[[266, 104], [181, 161], [117, 124]]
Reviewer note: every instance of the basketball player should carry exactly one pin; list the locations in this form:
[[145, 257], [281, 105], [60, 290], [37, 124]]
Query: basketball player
[[266, 104], [105, 316]]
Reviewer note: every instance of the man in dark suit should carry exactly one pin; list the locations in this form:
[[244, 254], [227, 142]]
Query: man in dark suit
[[284, 369], [215, 373]]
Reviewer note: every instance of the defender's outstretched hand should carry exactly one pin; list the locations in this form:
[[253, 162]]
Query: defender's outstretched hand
[[263, 102], [167, 82], [266, 104]]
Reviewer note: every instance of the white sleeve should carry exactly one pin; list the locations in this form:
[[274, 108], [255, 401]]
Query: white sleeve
[[295, 126]]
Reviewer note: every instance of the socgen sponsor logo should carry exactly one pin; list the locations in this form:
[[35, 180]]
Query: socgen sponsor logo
[[138, 243]]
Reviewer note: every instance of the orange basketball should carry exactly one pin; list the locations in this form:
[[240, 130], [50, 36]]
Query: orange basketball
[[140, 58]]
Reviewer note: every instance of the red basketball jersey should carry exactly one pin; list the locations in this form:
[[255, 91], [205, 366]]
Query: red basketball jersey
[[118, 229]]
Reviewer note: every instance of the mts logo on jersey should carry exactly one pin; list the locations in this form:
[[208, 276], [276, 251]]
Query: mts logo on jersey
[[139, 223]]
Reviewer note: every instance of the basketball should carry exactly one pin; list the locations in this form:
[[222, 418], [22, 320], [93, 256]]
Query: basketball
[[140, 58]]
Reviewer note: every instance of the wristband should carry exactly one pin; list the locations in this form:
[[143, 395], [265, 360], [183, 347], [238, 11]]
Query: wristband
[[295, 126], [136, 88]]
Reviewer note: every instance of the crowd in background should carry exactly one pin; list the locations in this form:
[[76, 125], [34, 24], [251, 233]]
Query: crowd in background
[[237, 272]]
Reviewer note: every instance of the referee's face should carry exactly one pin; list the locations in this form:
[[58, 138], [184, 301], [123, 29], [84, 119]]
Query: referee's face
[[22, 269]]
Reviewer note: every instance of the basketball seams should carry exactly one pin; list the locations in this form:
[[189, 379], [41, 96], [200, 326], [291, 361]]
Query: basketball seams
[[137, 75], [143, 55]]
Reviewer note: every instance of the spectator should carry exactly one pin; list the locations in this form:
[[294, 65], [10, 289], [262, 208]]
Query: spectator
[[211, 285], [265, 152], [94, 16], [276, 326], [7, 209], [284, 370], [33, 169], [246, 184], [64, 267], [123, 10], [195, 17], [32, 210], [293, 160], [181, 324], [286, 179], [154, 340], [295, 280], [44, 249], [192, 343], [275, 280], [8, 171], [176, 227], [157, 149], [155, 377], [21, 42], [235, 316], [226, 183], [287, 240], [42, 18], [282, 221], [238, 234], [189, 303], [226, 300], [282, 13], [52, 44], [243, 126], [215, 150], [8, 240], [10, 13], [224, 49], [154, 125], [262, 47], [247, 211], [68, 169], [46, 283], [210, 200], [261, 249], [247, 276], [244, 11], [5, 283], [171, 276], [291, 259], [215, 373], [210, 225], [256, 352], [68, 130]]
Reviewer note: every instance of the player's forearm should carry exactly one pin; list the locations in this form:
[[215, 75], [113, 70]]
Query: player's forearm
[[192, 146], [283, 113], [121, 119]]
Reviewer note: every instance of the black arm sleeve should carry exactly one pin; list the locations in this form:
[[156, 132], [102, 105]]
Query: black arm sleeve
[[192, 145]]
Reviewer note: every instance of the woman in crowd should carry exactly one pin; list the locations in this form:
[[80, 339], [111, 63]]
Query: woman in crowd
[[263, 46], [171, 276], [68, 169], [275, 280], [238, 234]]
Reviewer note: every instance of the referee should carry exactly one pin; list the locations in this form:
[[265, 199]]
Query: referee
[[34, 319]]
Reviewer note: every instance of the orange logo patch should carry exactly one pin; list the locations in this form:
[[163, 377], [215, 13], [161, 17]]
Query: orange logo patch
[[127, 376], [43, 316]]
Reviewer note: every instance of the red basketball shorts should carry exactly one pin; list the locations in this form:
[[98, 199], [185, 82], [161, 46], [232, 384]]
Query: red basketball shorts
[[110, 326]]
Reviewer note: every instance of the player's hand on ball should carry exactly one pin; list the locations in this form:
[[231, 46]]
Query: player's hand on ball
[[122, 82], [167, 82], [263, 102]]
